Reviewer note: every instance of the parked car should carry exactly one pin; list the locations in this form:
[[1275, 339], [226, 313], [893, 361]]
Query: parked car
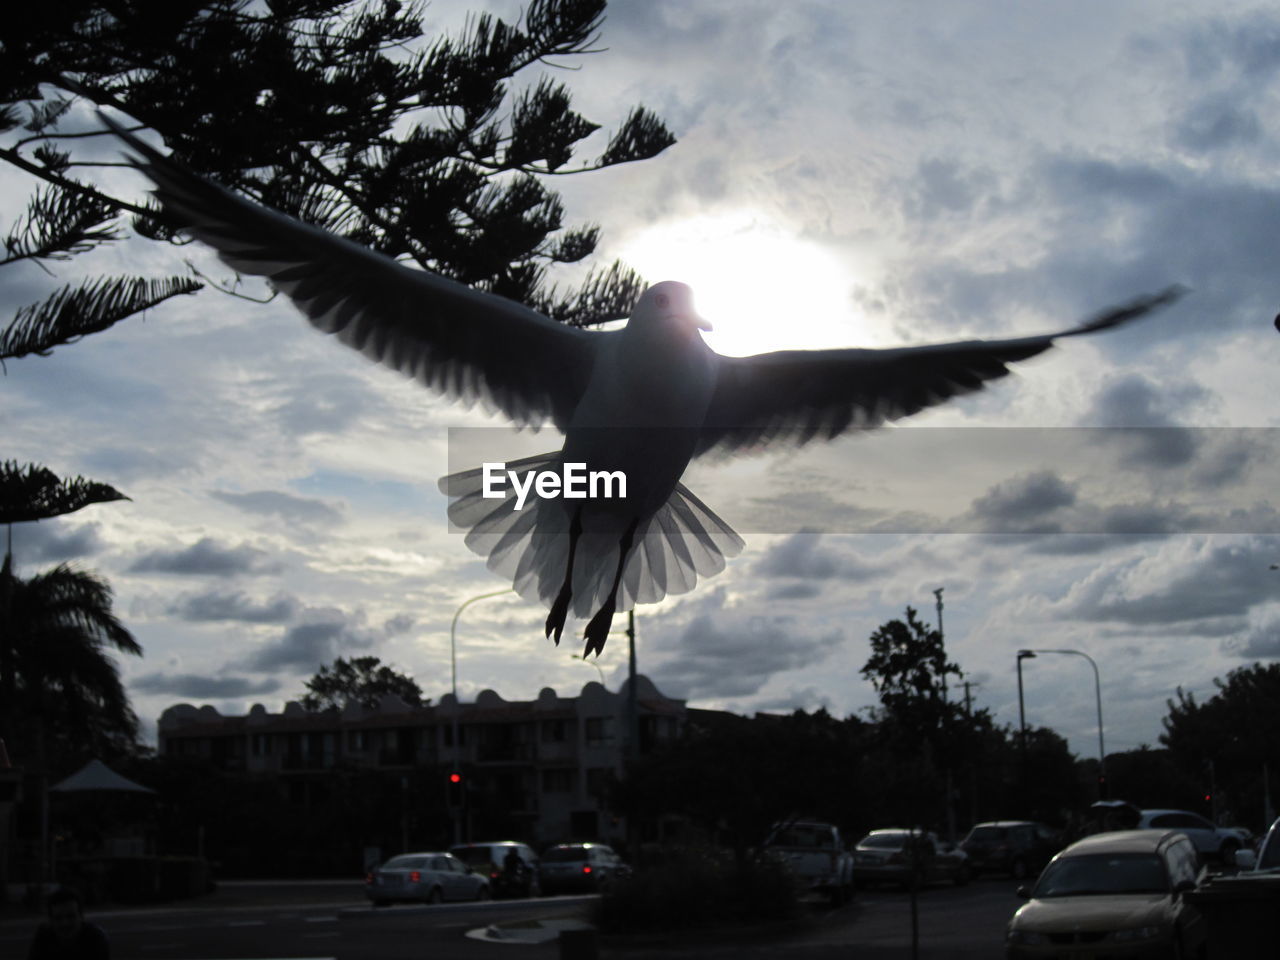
[[908, 857], [1210, 841], [425, 877], [1268, 855], [815, 853], [490, 859], [1016, 847], [1115, 895], [570, 867]]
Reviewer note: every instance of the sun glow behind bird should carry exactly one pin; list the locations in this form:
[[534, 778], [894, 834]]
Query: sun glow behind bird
[[761, 287]]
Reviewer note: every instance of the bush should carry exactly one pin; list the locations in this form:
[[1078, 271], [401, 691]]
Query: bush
[[699, 888]]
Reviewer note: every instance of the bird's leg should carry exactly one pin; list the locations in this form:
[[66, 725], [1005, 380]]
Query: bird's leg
[[598, 628], [560, 609]]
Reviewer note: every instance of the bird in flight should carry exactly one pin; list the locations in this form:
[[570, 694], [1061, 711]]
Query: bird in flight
[[642, 401]]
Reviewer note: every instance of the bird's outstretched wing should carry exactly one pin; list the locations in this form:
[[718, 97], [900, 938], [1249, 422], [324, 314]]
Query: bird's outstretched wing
[[794, 396], [464, 343]]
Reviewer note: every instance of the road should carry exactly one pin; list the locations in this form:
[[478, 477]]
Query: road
[[244, 922]]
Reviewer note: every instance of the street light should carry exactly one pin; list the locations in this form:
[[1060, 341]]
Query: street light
[[1022, 707], [1097, 690], [453, 670]]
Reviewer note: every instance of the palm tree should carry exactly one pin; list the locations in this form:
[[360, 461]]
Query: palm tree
[[67, 689]]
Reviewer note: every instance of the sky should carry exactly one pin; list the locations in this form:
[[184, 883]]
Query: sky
[[870, 174]]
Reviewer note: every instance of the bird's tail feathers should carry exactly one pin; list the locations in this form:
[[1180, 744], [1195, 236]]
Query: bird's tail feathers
[[682, 541]]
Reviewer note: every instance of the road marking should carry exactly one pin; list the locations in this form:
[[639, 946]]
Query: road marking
[[322, 919], [247, 923]]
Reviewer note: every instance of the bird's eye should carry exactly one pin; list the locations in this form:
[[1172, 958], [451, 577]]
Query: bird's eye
[[662, 300]]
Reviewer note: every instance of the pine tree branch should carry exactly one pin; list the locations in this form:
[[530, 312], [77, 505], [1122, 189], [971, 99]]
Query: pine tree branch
[[74, 312], [59, 225], [49, 176], [33, 492]]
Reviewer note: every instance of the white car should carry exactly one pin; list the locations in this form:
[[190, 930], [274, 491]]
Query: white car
[[1268, 856], [817, 856], [1210, 841], [426, 878]]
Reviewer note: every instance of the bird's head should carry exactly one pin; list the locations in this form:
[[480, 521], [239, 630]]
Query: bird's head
[[669, 304]]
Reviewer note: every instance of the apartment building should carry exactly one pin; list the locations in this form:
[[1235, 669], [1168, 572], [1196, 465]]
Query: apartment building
[[535, 769]]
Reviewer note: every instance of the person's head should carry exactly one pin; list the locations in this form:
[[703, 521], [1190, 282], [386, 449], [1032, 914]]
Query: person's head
[[65, 916]]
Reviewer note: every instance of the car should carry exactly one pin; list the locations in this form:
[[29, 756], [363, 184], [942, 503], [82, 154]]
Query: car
[[1115, 895], [1268, 856], [1016, 847], [908, 857], [430, 877], [489, 859], [589, 867], [816, 855], [1211, 842]]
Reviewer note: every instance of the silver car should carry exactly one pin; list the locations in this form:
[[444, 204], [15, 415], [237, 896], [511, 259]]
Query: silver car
[[907, 857], [576, 867], [424, 878]]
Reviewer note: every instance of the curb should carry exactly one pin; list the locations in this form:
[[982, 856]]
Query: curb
[[528, 931]]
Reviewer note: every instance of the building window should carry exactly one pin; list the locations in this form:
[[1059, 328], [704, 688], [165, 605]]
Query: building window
[[555, 731], [599, 730], [557, 781]]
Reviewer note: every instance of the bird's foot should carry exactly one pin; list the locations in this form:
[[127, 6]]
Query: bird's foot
[[597, 631], [559, 611]]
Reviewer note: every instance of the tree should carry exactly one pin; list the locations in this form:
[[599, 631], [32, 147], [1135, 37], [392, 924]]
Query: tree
[[336, 113], [1224, 744], [68, 700], [27, 493], [362, 680], [908, 667]]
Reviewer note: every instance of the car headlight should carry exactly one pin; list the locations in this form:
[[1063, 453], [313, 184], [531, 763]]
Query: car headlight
[[1134, 933], [1026, 937]]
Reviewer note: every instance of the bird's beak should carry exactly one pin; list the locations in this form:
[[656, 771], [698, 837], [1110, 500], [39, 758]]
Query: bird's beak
[[700, 323]]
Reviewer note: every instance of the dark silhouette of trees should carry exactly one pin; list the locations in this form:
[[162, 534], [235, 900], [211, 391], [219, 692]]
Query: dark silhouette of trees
[[1225, 744], [341, 114], [363, 680], [29, 492], [67, 698], [908, 668]]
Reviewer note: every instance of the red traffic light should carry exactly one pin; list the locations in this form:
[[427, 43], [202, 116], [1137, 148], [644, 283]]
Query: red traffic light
[[455, 778]]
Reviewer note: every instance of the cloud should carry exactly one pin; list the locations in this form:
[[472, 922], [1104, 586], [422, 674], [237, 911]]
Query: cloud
[[325, 635], [805, 556], [205, 557], [1134, 400], [1261, 643], [216, 605], [723, 651], [199, 686], [1202, 585], [286, 506], [399, 624], [54, 542], [1021, 504]]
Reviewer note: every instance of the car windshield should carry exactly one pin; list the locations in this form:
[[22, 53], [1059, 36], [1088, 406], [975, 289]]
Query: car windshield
[[987, 834], [1103, 874], [564, 854], [886, 840], [473, 856], [404, 863]]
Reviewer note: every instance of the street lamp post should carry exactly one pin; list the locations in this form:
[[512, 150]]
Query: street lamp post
[[1022, 729], [453, 671], [1097, 691]]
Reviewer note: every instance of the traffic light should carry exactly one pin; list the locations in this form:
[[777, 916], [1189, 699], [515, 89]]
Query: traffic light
[[455, 788]]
